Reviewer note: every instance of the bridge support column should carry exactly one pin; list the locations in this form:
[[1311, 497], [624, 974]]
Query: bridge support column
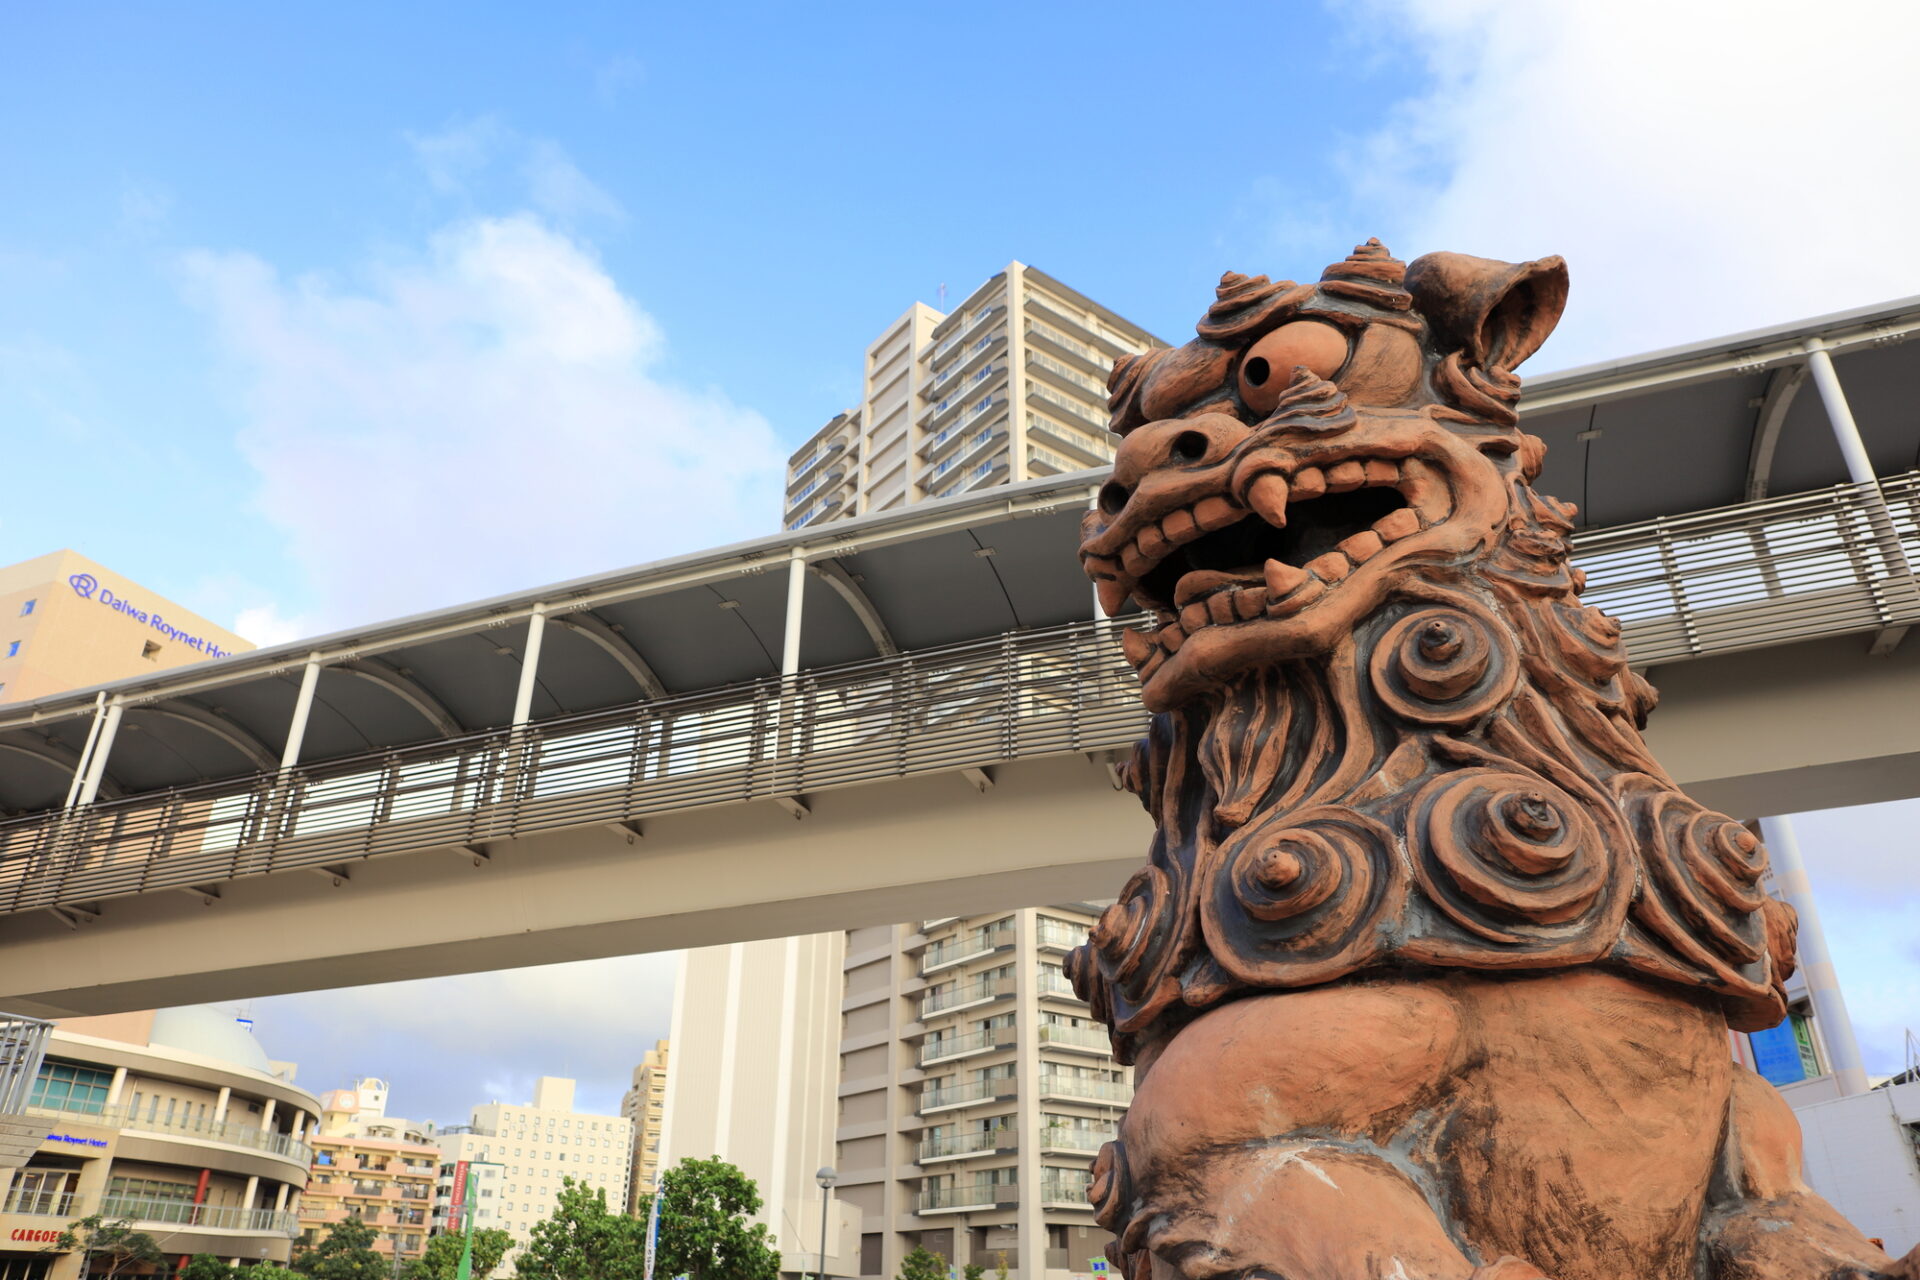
[[97, 761], [86, 752], [302, 710], [796, 600], [530, 666], [1823, 984]]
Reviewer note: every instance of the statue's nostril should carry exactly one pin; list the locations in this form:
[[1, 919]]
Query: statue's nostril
[[1113, 497], [1257, 371], [1190, 446]]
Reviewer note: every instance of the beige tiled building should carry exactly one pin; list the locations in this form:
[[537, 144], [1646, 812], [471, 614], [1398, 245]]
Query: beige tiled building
[[646, 1105], [372, 1166], [975, 1089], [538, 1144], [67, 622], [1010, 385]]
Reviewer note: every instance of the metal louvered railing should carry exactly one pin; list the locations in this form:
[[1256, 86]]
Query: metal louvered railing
[[1831, 562]]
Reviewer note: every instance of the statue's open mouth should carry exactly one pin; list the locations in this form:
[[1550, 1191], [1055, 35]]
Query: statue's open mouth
[[1217, 563]]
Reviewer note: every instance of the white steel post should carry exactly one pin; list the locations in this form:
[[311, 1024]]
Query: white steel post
[[302, 709], [1816, 965], [86, 752], [1846, 432], [97, 762], [530, 666], [796, 597]]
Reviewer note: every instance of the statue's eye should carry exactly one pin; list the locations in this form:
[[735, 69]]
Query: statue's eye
[[1270, 362]]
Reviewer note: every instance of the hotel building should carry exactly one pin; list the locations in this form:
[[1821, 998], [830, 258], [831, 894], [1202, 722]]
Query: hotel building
[[514, 1157], [70, 623], [1010, 385], [975, 1090], [173, 1119], [646, 1105]]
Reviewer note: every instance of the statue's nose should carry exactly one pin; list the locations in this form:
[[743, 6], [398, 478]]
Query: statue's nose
[[1195, 442]]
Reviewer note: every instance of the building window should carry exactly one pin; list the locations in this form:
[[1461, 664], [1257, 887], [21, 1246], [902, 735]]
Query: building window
[[13, 648], [67, 1086], [150, 649], [27, 608]]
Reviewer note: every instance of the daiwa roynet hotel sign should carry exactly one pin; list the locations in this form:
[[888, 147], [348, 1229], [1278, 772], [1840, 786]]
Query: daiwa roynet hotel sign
[[88, 587]]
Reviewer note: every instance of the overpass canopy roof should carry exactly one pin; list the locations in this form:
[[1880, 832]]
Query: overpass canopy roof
[[1686, 429]]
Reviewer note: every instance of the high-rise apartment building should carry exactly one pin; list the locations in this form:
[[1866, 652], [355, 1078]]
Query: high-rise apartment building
[[1011, 385], [67, 622], [975, 1090], [530, 1149], [646, 1105]]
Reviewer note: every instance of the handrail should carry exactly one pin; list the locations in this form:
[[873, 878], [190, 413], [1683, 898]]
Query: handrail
[[23, 1046], [225, 1132], [178, 1213], [1831, 562]]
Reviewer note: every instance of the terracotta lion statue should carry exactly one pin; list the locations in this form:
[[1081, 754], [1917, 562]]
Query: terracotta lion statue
[[1430, 972]]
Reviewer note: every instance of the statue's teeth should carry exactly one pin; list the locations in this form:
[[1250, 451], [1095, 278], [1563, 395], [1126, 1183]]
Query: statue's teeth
[[1283, 579], [1309, 483], [1330, 567], [1217, 512], [1171, 638], [1180, 527], [1396, 525], [1220, 606], [1135, 560], [1346, 477], [1195, 615], [1136, 646], [1308, 591], [1113, 595], [1362, 546], [1268, 498], [1152, 543], [1249, 602], [1383, 473]]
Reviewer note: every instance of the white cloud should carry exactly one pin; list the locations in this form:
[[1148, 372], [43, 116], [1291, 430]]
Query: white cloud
[[612, 78], [449, 1043], [266, 626], [556, 185], [451, 158], [1705, 168], [485, 416]]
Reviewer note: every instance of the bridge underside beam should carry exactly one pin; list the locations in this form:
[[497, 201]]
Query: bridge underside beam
[[1049, 830]]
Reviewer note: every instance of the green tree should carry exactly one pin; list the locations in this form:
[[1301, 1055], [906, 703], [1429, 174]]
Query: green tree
[[1000, 1265], [344, 1253], [204, 1266], [922, 1264], [93, 1237], [441, 1260], [266, 1271], [584, 1240], [973, 1271], [704, 1228]]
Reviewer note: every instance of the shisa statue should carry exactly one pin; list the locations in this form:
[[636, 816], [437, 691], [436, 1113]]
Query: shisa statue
[[1430, 971]]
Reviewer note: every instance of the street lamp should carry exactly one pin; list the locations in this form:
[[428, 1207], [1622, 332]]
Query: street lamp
[[826, 1177]]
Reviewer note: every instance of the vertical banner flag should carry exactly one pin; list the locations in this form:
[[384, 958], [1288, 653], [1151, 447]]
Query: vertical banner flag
[[459, 1200]]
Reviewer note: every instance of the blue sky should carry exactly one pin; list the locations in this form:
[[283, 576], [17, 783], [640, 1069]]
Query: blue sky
[[316, 314]]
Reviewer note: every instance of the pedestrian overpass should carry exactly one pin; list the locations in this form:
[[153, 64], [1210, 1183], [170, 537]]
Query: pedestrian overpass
[[907, 715]]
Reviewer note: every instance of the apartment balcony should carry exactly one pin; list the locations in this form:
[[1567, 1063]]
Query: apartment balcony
[[1065, 1193], [955, 409], [928, 926], [958, 1146], [984, 345], [969, 334], [973, 457], [950, 437], [224, 1132], [1065, 376], [1062, 1137], [1089, 1040], [954, 1048], [1057, 935], [1062, 403], [1054, 984], [1043, 311], [1053, 1084], [965, 995], [972, 1093], [799, 474], [1079, 449], [968, 1197], [982, 942]]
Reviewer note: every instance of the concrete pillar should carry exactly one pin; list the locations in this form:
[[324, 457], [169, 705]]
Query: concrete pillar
[[220, 1105], [1017, 468], [253, 1185], [266, 1116], [118, 1087], [1816, 965]]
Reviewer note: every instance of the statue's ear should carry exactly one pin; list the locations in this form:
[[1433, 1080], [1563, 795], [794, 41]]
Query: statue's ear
[[1495, 313]]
